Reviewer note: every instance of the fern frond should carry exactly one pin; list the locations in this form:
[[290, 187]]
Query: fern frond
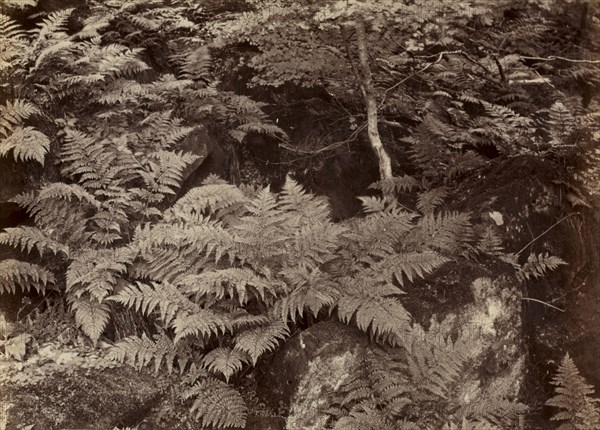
[[258, 340], [396, 184], [194, 65], [14, 113], [434, 360], [146, 298], [203, 322], [380, 232], [374, 307], [96, 271], [578, 409], [206, 200], [444, 231], [217, 404], [262, 128], [309, 208], [27, 143], [140, 352], [165, 175], [53, 24], [427, 201], [209, 239], [29, 238], [91, 315], [537, 266], [373, 204], [15, 273], [310, 289], [411, 265], [225, 361], [235, 283]]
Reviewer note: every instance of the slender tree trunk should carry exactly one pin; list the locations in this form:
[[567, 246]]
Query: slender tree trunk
[[385, 164]]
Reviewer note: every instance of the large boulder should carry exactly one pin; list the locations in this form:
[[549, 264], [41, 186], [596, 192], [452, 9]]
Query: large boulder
[[60, 388], [539, 208], [306, 374]]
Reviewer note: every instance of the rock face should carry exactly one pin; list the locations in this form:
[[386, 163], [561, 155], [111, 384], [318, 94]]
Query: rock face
[[307, 371], [84, 399], [305, 374]]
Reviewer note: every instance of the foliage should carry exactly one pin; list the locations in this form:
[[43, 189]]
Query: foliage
[[417, 386], [578, 409], [223, 274]]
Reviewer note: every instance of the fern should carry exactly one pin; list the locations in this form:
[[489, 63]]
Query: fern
[[147, 298], [537, 266], [140, 352], [225, 361], [91, 315], [29, 238], [15, 273], [374, 308], [235, 283], [578, 410], [203, 323], [411, 264], [414, 387], [256, 341], [429, 200], [96, 271], [310, 289], [217, 404], [444, 231]]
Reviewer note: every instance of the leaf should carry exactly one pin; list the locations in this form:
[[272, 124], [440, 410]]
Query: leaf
[[259, 340], [217, 404], [225, 361]]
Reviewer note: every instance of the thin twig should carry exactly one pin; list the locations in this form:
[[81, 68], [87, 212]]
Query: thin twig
[[543, 303], [397, 84], [546, 231], [554, 58]]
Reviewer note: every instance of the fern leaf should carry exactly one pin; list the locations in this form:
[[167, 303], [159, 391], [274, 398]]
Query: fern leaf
[[396, 184], [259, 340], [140, 352], [377, 314], [29, 238], [538, 265], [203, 322], [15, 273], [295, 199], [444, 231], [233, 282], [27, 144], [578, 409], [97, 271], [91, 315], [54, 23], [194, 65], [427, 201], [311, 289], [217, 404], [263, 128], [207, 199], [14, 113], [146, 298], [373, 204], [412, 264], [225, 361], [165, 175]]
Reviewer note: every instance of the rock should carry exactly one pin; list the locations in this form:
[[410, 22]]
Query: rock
[[82, 398], [305, 373], [265, 423]]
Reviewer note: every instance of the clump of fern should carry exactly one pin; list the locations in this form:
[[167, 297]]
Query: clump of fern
[[417, 386], [578, 410]]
